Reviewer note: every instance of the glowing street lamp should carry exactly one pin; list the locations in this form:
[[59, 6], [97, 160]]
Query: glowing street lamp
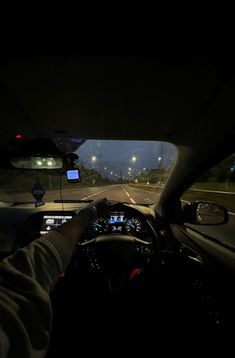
[[159, 161], [93, 159], [133, 159]]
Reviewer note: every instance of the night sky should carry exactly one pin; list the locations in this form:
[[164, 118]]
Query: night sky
[[117, 156]]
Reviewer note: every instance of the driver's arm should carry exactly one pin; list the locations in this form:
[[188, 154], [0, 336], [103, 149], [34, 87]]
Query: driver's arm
[[26, 279]]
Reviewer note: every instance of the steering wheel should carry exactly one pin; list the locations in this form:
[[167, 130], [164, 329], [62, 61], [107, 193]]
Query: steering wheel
[[120, 258]]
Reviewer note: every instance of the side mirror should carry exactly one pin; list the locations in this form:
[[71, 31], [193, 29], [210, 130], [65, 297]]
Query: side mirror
[[204, 213]]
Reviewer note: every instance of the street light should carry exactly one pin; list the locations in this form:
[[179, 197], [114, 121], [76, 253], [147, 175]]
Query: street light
[[93, 159], [159, 161], [133, 159]]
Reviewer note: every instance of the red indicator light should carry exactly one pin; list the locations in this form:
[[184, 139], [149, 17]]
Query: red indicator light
[[19, 136]]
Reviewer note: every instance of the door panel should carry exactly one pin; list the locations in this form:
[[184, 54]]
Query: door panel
[[209, 268]]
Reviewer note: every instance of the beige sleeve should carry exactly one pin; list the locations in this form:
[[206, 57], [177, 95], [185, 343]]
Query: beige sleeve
[[26, 279]]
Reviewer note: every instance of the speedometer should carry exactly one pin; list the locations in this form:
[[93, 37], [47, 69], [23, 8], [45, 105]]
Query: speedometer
[[100, 225], [133, 226]]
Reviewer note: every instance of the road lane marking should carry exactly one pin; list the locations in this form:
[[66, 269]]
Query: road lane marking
[[125, 191], [98, 192], [133, 201]]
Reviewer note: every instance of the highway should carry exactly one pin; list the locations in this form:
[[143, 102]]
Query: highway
[[123, 193], [133, 195]]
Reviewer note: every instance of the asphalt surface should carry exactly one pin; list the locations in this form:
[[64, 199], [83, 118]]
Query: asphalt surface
[[123, 193], [133, 195]]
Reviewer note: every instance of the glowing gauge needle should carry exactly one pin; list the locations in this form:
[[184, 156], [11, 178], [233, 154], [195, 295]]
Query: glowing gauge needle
[[133, 225], [100, 225]]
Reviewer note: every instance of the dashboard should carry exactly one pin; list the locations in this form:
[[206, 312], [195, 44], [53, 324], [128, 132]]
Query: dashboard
[[24, 223], [116, 222], [126, 235]]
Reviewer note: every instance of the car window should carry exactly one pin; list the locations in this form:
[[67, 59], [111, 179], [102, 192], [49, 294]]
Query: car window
[[217, 185]]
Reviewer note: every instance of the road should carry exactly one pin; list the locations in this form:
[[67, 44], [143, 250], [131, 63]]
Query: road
[[133, 195], [124, 193]]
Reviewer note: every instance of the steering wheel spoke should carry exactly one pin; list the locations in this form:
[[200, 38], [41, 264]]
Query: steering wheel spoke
[[115, 256], [144, 250], [87, 254]]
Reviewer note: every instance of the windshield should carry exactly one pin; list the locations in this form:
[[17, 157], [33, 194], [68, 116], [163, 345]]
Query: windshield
[[126, 171]]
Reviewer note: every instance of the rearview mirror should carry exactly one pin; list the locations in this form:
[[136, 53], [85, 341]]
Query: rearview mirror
[[37, 162], [205, 213]]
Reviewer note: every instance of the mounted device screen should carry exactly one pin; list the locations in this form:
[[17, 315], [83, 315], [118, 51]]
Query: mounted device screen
[[73, 176], [51, 222]]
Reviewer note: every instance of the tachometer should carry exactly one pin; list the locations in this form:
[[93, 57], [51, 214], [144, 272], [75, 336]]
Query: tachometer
[[133, 226], [100, 225]]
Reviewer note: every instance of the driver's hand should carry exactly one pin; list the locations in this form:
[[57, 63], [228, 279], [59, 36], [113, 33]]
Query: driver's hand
[[73, 230]]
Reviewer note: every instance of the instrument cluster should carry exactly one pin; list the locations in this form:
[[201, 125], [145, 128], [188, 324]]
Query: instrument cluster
[[118, 223]]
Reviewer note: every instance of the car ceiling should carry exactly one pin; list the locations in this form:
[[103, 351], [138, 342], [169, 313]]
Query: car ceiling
[[114, 98]]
